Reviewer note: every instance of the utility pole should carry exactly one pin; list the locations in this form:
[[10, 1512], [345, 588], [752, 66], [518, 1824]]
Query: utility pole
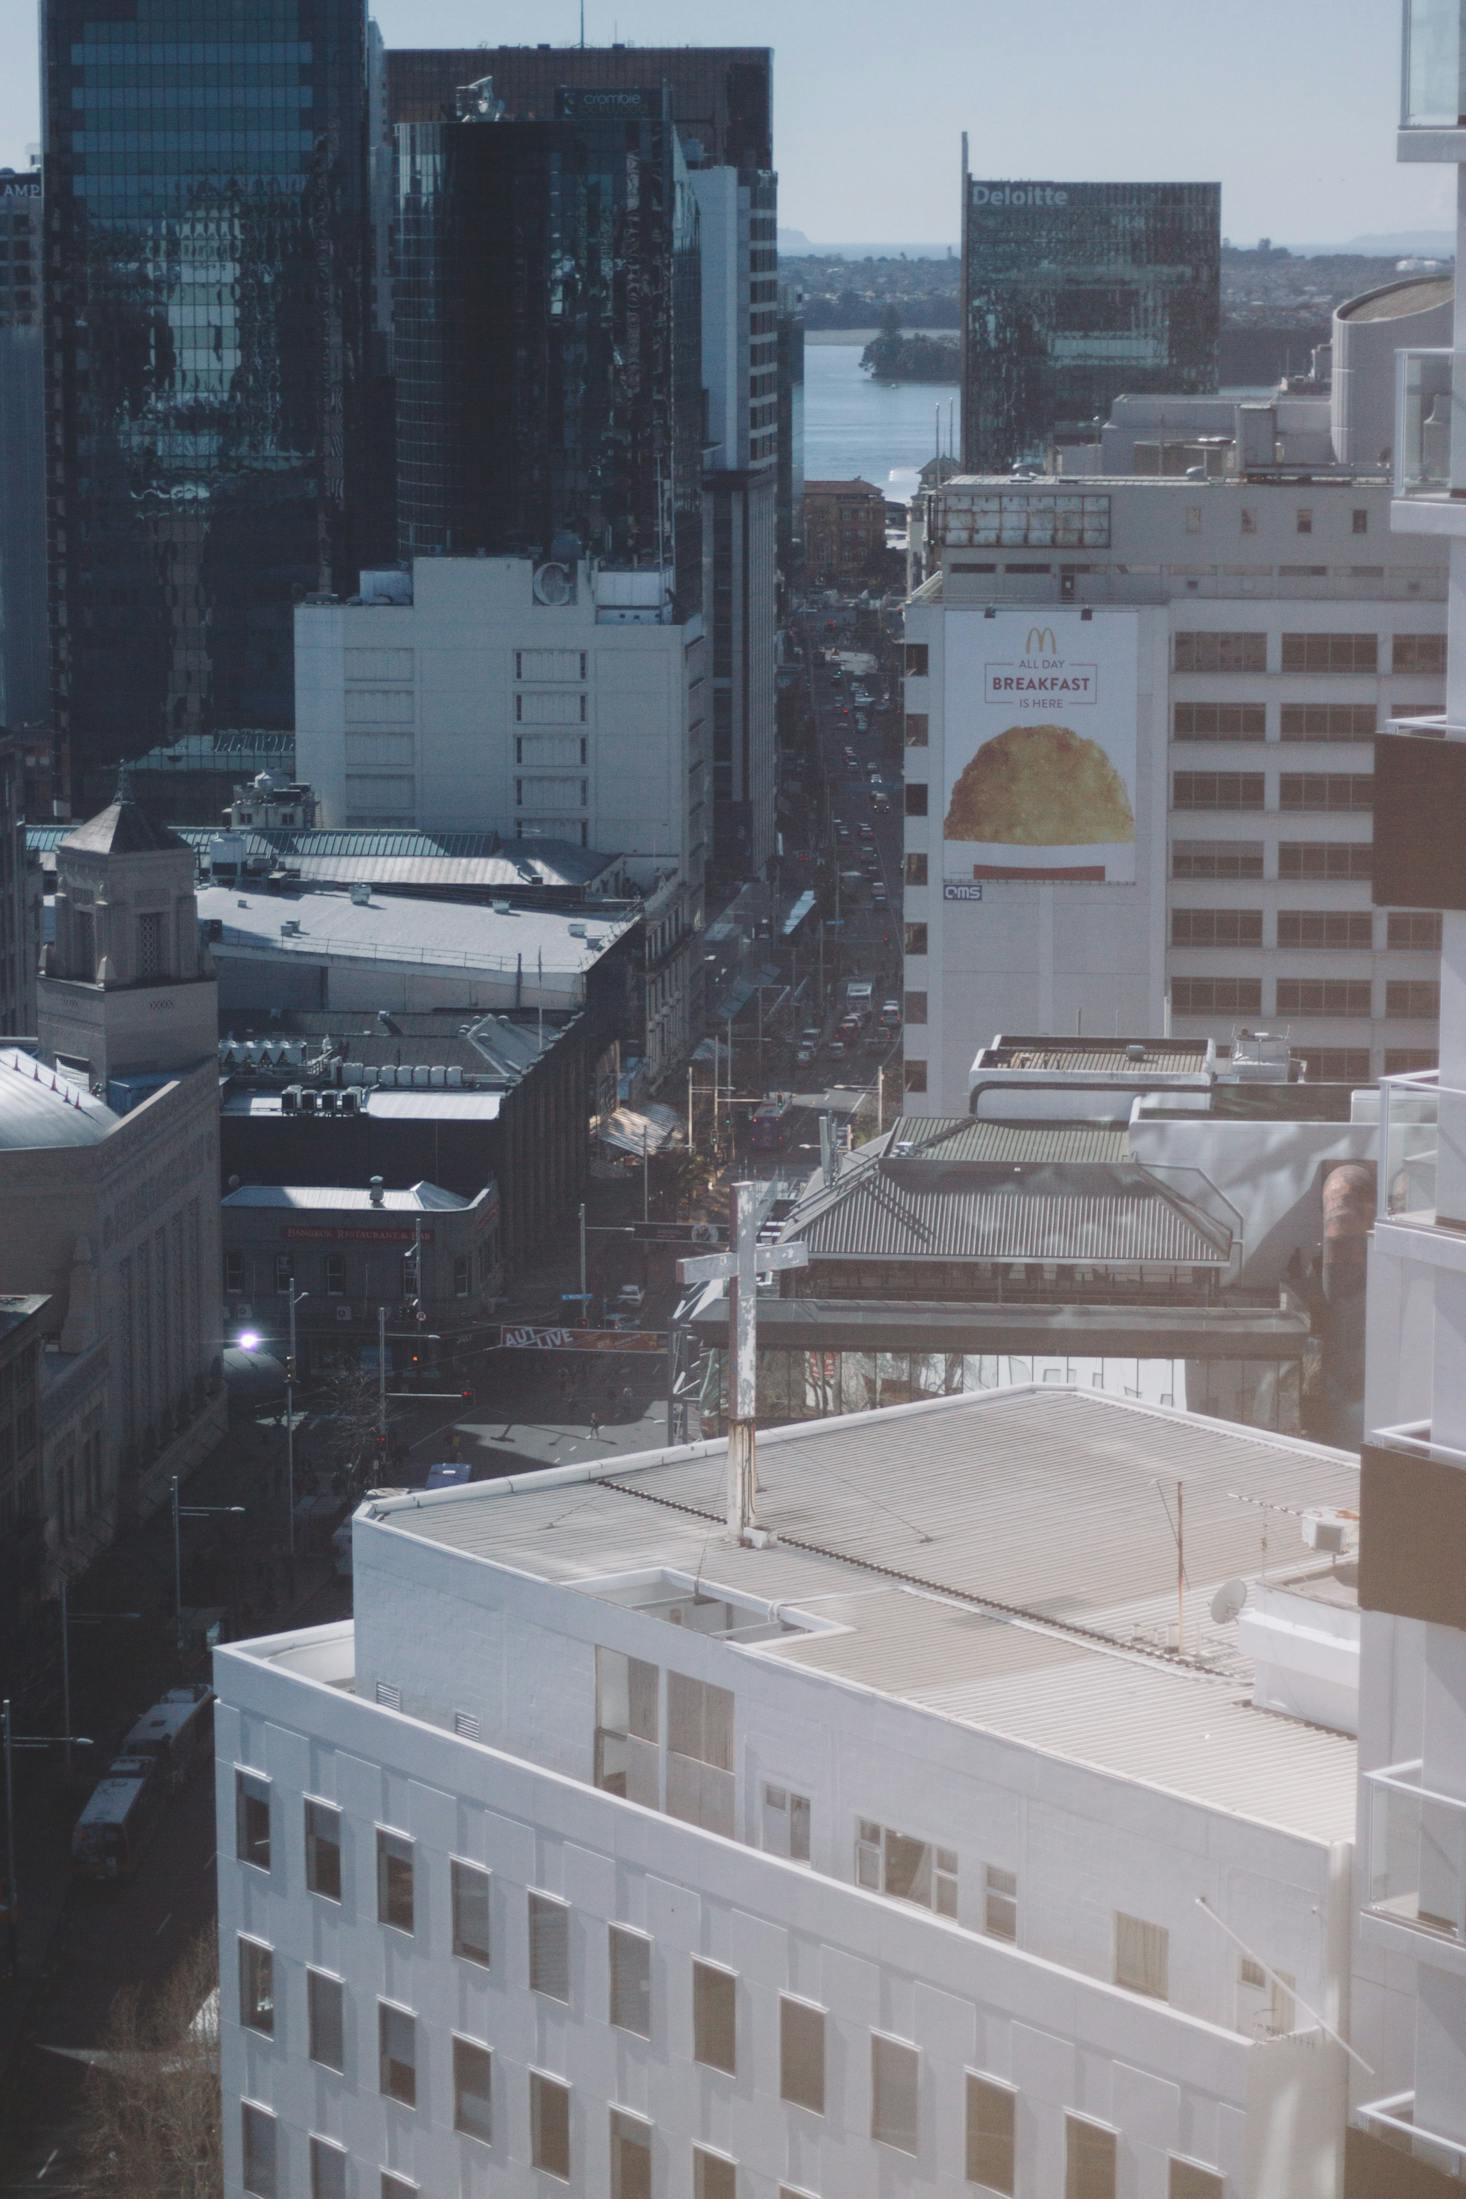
[[382, 1382], [295, 1298], [646, 1182], [689, 1126], [584, 1300]]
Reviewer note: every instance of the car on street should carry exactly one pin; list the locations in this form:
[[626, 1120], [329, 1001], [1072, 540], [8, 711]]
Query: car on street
[[879, 897], [806, 1054], [891, 1014], [867, 832], [842, 832], [881, 803], [836, 1049], [862, 722], [629, 1298]]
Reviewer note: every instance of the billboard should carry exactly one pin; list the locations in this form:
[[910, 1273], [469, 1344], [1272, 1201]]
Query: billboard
[[1040, 710]]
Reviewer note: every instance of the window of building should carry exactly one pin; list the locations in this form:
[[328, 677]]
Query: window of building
[[1265, 2006], [1325, 928], [234, 1273], [1330, 652], [914, 938], [394, 1879], [1206, 652], [284, 1273], [1249, 520], [397, 2187], [916, 729], [473, 2090], [328, 2169], [914, 1007], [549, 2124], [1193, 519], [1326, 790], [999, 1902], [631, 2156], [1188, 2180], [256, 1986], [1419, 653], [1324, 996], [1142, 1956], [914, 868], [917, 659], [149, 948], [1415, 928], [714, 2017], [914, 1076], [909, 1870], [1216, 927], [1220, 721], [786, 1823], [325, 2005], [1218, 790], [628, 1730], [549, 1946], [260, 2146], [1216, 859], [323, 1849], [1304, 519], [1325, 859], [1406, 1061], [1360, 520], [916, 799], [462, 1276], [335, 1275], [1328, 721], [631, 1980], [802, 2054], [991, 2134], [1337, 1065], [469, 1885], [714, 2175], [397, 2053], [895, 2077], [1413, 996], [252, 1819], [1203, 996], [1091, 2159], [700, 1783]]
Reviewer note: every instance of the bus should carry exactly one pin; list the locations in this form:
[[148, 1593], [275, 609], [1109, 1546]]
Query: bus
[[771, 1125], [176, 1733], [115, 1826]]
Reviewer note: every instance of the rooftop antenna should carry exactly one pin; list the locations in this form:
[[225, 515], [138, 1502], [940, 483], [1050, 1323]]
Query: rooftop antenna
[[124, 782], [582, 25]]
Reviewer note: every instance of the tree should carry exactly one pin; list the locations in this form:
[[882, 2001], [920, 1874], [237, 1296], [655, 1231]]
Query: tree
[[890, 320], [347, 1437], [151, 2127]]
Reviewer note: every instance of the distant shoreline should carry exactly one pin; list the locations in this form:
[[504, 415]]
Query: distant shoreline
[[863, 336]]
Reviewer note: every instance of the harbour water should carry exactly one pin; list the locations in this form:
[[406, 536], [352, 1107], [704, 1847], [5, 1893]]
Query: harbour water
[[882, 431]]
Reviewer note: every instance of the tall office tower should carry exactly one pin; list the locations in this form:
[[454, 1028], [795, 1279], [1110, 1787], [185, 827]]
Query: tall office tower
[[1076, 293], [791, 427], [20, 904], [24, 682], [547, 331], [207, 270], [1408, 1998], [721, 104]]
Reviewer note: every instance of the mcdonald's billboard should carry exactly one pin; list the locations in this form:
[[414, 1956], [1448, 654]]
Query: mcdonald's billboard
[[1040, 710]]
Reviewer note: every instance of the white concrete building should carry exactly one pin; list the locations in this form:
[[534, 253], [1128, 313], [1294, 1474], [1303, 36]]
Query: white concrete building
[[900, 1847], [1408, 2134], [488, 693], [1223, 648]]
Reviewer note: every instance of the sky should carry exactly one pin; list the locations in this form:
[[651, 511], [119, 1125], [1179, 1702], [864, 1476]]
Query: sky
[[1292, 104]]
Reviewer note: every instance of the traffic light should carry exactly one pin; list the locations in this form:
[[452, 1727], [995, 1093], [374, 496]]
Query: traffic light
[[467, 1396]]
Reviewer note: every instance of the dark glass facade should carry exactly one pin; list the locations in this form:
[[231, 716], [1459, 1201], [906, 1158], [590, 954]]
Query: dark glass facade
[[547, 317], [1075, 294], [207, 273]]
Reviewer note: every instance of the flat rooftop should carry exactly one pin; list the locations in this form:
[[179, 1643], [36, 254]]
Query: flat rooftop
[[1008, 1561], [394, 928]]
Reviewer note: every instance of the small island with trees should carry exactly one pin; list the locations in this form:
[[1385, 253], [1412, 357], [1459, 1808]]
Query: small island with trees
[[917, 357]]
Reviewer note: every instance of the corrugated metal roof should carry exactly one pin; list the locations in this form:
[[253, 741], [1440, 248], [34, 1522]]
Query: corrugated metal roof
[[971, 1138], [39, 1108], [917, 1208], [1054, 1509], [1090, 1056]]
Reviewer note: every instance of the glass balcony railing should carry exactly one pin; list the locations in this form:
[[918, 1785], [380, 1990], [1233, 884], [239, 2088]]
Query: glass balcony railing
[[1430, 426], [1432, 79], [1417, 1853], [1394, 2119], [1409, 1147]]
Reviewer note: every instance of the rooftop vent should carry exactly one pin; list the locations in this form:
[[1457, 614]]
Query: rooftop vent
[[361, 894], [577, 931], [1135, 1051], [376, 1194], [290, 929]]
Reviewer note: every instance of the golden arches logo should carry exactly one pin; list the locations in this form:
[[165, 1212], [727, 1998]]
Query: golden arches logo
[[1041, 642]]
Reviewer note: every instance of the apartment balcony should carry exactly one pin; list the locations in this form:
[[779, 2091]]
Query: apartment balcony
[[1433, 82], [1417, 1856], [1430, 441], [1409, 1174], [1393, 2120]]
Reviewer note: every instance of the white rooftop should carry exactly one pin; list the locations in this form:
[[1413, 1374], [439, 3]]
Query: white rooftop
[[422, 1198], [394, 928], [1008, 1561]]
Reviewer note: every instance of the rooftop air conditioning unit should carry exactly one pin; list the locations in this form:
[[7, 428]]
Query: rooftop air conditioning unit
[[310, 1103], [554, 586], [577, 931], [290, 1100], [361, 894]]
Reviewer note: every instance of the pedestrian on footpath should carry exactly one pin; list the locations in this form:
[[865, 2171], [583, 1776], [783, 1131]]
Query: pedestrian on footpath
[[595, 1424]]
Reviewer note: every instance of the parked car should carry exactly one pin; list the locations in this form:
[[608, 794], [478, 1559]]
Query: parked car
[[630, 1298], [810, 1035]]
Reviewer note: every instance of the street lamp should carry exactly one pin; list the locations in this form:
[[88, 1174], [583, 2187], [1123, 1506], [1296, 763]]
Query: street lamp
[[182, 1512], [10, 1741]]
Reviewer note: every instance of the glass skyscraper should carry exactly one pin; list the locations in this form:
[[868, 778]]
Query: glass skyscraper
[[1075, 294], [207, 246], [547, 318]]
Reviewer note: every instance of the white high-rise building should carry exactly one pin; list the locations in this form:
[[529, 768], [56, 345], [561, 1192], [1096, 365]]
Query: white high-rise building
[[941, 1832], [1408, 2134], [1141, 698]]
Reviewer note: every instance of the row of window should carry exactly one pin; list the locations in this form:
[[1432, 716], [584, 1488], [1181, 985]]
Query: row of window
[[1414, 929], [1405, 999], [1297, 721], [1248, 652], [276, 1272], [1297, 790], [1330, 859]]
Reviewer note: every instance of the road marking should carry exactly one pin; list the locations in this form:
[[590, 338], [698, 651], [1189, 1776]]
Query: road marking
[[162, 1928], [208, 1867], [51, 2159]]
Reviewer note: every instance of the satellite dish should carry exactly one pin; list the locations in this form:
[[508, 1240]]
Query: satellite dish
[[554, 585], [1228, 1601]]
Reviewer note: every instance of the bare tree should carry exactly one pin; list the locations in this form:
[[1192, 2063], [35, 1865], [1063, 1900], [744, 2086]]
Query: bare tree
[[345, 1438], [152, 2121]]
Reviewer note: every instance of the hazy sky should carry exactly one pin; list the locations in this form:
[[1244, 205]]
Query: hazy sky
[[1292, 103]]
